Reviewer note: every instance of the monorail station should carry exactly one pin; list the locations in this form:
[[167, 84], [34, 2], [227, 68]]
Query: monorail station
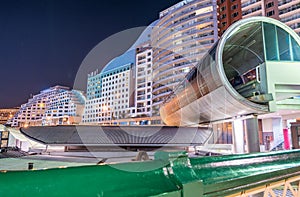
[[250, 78], [244, 94], [246, 89]]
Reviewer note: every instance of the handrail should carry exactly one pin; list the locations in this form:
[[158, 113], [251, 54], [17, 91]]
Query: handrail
[[170, 174]]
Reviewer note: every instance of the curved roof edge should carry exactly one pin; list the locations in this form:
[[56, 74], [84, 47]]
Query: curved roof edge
[[128, 57]]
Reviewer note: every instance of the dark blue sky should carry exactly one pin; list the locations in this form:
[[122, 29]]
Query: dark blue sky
[[43, 42]]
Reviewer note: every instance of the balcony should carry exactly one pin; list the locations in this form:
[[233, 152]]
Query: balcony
[[289, 10], [285, 3], [171, 70], [250, 3], [255, 8], [183, 10], [163, 94], [289, 19], [169, 36]]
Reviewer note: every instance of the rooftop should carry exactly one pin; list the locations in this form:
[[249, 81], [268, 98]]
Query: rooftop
[[127, 58]]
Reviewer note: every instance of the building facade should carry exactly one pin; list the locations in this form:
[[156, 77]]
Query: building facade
[[183, 34], [287, 11], [121, 94], [110, 94], [54, 106], [229, 12], [143, 77], [64, 107]]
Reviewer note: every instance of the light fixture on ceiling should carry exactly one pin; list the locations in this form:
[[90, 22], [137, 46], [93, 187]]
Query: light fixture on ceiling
[[250, 43], [228, 61]]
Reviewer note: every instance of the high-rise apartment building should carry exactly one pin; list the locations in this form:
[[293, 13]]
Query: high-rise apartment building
[[110, 93], [287, 11], [143, 77], [65, 106], [229, 12], [53, 106], [183, 34], [121, 94]]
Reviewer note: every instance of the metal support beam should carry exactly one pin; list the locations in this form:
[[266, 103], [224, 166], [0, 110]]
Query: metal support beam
[[283, 188], [238, 137]]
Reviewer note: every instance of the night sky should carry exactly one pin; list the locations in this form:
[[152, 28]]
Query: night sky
[[43, 42]]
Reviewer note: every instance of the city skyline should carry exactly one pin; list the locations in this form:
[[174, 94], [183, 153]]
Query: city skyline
[[192, 27], [44, 42], [232, 87]]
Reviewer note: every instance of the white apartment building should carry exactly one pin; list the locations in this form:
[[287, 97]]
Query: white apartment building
[[54, 106], [31, 113], [143, 77], [111, 92], [121, 94], [64, 107], [287, 11], [183, 34]]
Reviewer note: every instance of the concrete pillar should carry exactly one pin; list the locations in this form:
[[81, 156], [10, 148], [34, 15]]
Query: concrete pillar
[[284, 123], [252, 135], [277, 131], [238, 137], [286, 139]]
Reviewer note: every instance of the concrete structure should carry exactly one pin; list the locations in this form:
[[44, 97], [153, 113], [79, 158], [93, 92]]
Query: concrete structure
[[53, 106], [18, 140], [6, 115], [12, 138], [95, 138], [4, 137], [287, 11], [183, 34]]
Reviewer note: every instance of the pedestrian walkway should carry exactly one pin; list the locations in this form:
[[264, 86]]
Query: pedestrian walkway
[[67, 159], [41, 162]]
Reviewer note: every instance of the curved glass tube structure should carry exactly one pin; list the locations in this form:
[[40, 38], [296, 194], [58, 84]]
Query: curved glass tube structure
[[247, 71]]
